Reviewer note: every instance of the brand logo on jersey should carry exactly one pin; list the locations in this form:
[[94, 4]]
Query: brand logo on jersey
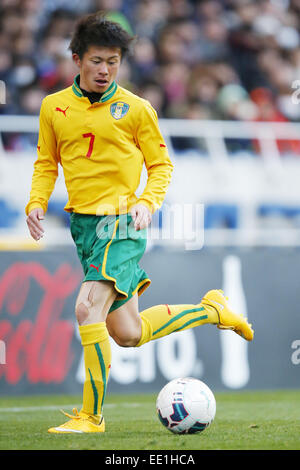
[[62, 110], [119, 109]]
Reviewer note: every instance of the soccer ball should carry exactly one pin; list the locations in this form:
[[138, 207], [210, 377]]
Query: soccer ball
[[186, 406]]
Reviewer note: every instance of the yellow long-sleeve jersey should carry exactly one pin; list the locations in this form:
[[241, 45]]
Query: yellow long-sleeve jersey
[[102, 148]]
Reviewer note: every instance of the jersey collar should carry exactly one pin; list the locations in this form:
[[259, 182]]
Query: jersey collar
[[105, 97]]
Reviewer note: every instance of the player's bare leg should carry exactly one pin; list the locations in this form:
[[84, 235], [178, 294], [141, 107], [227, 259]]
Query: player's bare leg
[[125, 324], [94, 301]]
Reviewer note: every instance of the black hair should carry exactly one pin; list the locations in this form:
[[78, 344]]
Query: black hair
[[96, 30]]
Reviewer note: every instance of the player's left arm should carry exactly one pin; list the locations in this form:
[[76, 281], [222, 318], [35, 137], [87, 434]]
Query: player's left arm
[[141, 216], [157, 161]]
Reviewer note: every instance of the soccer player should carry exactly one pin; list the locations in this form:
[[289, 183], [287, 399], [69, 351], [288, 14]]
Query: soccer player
[[101, 135]]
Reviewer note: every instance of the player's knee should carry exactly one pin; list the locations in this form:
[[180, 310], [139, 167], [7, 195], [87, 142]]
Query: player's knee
[[127, 340], [82, 313]]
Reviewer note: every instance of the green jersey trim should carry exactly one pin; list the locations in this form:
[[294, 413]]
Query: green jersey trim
[[106, 95]]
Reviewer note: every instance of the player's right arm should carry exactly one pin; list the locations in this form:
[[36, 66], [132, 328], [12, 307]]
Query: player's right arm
[[33, 222], [44, 175]]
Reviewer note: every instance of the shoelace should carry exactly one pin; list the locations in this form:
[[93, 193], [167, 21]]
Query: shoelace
[[76, 415]]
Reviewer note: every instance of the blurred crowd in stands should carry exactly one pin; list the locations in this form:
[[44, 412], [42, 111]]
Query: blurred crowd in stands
[[197, 59]]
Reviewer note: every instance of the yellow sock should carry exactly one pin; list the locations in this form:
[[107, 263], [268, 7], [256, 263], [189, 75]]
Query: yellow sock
[[97, 358], [161, 320]]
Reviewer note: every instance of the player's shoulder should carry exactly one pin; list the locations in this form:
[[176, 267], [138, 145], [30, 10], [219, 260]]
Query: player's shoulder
[[58, 95], [132, 98]]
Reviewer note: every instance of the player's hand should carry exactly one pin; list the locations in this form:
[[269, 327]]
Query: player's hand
[[141, 216], [33, 221]]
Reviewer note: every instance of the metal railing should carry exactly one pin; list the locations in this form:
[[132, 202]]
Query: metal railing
[[281, 174]]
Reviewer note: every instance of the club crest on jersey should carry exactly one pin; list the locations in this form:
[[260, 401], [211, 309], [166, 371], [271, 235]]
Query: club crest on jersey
[[119, 109]]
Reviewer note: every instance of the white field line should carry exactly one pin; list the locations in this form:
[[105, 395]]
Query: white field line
[[22, 409]]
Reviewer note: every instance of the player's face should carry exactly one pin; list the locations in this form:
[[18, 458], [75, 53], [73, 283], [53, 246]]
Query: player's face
[[98, 67]]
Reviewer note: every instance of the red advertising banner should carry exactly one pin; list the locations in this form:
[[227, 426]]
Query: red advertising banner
[[40, 349], [37, 336]]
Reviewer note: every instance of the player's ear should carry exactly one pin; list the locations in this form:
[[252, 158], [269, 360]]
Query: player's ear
[[76, 59]]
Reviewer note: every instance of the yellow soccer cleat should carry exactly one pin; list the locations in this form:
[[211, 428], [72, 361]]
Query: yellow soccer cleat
[[228, 320], [80, 422]]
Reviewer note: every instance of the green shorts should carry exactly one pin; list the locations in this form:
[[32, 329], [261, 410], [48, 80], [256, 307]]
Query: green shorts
[[109, 249]]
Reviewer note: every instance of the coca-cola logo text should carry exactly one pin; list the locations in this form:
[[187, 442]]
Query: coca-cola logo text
[[38, 348]]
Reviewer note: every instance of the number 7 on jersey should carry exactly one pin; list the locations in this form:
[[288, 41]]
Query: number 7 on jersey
[[90, 136]]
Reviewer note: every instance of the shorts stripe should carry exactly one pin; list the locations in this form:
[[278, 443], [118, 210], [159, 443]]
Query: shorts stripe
[[140, 285], [104, 274]]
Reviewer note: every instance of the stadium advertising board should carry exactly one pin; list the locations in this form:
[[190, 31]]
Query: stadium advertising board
[[40, 349]]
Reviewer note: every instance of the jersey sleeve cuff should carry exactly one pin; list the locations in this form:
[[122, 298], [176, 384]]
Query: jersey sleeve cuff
[[33, 205], [152, 207]]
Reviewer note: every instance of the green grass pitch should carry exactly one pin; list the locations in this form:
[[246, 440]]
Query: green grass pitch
[[244, 421]]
